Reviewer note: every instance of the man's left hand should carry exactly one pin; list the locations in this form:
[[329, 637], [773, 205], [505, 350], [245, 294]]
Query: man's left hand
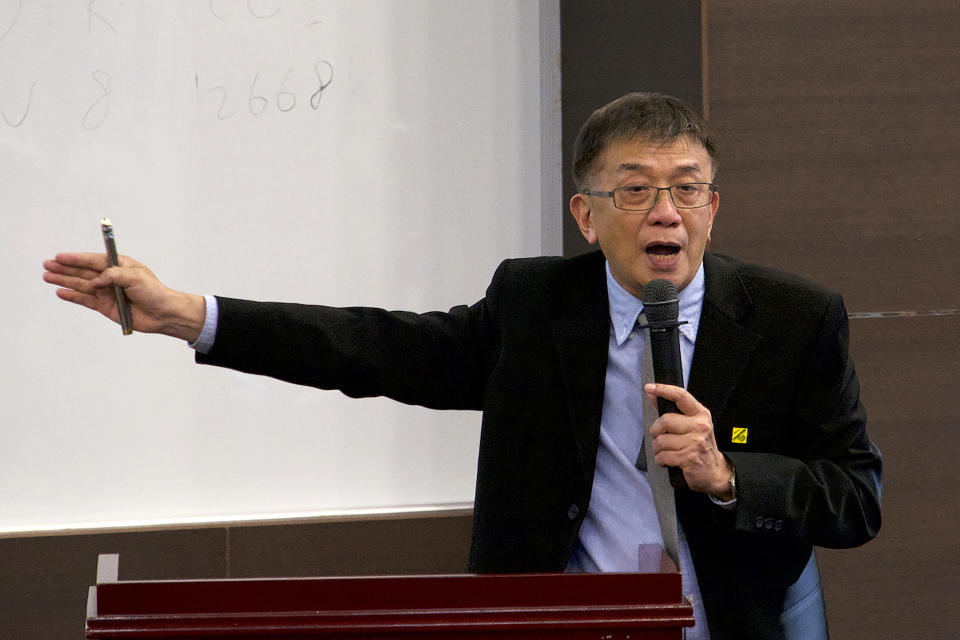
[[686, 440]]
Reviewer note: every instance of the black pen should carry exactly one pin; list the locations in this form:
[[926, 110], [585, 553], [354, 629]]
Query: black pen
[[123, 305]]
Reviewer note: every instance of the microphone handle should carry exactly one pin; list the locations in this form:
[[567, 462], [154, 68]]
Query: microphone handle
[[668, 369]]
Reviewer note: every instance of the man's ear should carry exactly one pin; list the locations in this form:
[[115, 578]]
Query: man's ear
[[581, 212], [713, 214]]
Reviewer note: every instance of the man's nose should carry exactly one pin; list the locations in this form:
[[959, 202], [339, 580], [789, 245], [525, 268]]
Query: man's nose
[[664, 211]]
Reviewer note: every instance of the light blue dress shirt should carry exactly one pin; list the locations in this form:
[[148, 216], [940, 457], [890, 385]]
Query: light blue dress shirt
[[622, 515]]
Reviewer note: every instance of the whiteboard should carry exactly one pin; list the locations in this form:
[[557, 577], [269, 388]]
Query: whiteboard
[[383, 153]]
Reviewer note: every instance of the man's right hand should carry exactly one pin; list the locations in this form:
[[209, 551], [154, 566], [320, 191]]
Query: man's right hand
[[87, 279]]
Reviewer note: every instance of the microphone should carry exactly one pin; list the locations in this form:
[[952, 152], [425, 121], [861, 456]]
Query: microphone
[[661, 306]]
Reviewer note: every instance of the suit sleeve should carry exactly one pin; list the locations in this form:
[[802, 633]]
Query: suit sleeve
[[438, 360], [823, 486]]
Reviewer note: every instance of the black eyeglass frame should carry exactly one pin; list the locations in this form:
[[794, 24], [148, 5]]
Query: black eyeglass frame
[[656, 198]]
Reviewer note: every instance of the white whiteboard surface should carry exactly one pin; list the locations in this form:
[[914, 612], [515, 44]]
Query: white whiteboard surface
[[381, 153]]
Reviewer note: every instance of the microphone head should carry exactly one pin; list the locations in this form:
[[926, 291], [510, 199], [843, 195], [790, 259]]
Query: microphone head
[[661, 302]]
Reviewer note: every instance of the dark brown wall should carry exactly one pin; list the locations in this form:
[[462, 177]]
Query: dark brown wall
[[839, 132], [44, 588]]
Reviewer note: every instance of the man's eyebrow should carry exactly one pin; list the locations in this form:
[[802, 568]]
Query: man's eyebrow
[[638, 167]]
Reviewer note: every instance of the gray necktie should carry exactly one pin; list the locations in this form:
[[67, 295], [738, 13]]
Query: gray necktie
[[659, 477]]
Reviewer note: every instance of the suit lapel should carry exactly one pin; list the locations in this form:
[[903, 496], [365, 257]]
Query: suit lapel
[[724, 343], [581, 330]]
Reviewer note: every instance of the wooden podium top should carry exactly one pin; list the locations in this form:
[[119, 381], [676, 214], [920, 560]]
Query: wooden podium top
[[600, 605]]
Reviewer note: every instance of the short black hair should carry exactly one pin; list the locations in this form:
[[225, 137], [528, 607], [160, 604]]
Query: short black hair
[[652, 116]]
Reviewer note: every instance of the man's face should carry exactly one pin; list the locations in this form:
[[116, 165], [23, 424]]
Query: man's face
[[664, 242]]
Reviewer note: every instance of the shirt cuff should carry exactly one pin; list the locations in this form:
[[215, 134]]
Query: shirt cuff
[[204, 342]]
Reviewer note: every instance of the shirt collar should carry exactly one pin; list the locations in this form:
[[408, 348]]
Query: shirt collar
[[625, 307]]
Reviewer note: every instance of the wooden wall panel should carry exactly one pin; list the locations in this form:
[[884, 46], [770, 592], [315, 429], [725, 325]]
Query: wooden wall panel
[[839, 137], [904, 584], [395, 546]]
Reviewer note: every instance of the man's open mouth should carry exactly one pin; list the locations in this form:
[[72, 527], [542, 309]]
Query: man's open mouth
[[663, 250]]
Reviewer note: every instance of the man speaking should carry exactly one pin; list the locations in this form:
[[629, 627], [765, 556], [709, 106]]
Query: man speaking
[[768, 434]]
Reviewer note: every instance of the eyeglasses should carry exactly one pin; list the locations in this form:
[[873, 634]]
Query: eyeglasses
[[643, 197]]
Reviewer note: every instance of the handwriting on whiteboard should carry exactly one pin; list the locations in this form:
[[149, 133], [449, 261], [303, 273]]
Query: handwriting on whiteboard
[[97, 90], [260, 96]]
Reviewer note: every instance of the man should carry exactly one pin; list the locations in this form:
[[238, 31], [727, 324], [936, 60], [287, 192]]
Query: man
[[770, 434]]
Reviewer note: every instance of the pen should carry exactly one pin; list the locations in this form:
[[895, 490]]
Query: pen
[[123, 305]]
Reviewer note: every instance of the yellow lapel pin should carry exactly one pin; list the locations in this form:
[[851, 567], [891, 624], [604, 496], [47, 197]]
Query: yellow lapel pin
[[739, 435]]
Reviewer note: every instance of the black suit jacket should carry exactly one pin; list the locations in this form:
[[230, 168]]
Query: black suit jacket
[[771, 356]]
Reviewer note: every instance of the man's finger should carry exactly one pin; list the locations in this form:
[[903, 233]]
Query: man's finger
[[668, 442], [77, 297], [94, 261], [686, 403], [81, 284], [52, 266], [111, 276]]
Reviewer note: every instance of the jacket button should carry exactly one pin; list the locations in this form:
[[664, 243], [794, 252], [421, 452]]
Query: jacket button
[[778, 525], [758, 523], [768, 524], [573, 511]]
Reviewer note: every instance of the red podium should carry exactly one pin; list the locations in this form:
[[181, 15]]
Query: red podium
[[599, 606]]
